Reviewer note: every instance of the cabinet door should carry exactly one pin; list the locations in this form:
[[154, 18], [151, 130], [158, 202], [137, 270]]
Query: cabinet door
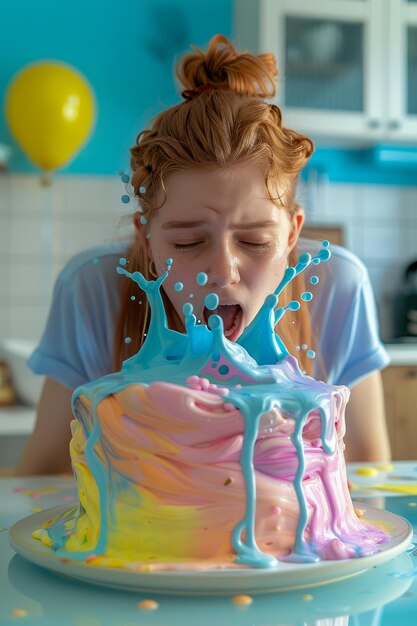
[[329, 57], [400, 390], [401, 92]]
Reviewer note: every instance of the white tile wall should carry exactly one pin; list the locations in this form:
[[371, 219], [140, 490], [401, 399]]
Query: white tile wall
[[380, 226], [42, 227]]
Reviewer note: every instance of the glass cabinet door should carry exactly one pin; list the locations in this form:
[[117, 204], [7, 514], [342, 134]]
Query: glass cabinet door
[[324, 66], [411, 67], [347, 68], [402, 114], [411, 70], [328, 54]]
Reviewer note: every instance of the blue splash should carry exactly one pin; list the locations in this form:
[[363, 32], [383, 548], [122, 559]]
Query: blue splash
[[250, 368]]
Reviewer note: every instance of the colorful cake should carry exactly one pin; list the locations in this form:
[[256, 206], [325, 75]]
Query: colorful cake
[[202, 453]]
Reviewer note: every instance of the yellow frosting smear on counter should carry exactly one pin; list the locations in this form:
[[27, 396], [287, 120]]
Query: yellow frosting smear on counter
[[408, 490], [20, 612], [367, 471], [242, 600], [148, 605]]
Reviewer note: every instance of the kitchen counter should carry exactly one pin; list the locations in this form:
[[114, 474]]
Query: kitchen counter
[[402, 353], [20, 420], [386, 594], [17, 420]]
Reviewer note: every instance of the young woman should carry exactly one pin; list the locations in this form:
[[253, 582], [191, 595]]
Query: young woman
[[215, 178]]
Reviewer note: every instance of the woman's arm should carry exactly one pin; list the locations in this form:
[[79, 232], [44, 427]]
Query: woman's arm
[[47, 451], [366, 430]]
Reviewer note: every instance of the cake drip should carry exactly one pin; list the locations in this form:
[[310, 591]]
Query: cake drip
[[209, 406]]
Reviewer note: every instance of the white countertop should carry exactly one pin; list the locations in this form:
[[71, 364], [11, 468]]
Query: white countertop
[[402, 353], [31, 595], [20, 420], [17, 420]]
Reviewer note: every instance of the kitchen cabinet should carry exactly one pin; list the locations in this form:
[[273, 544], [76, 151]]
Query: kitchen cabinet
[[347, 68], [400, 389], [333, 234]]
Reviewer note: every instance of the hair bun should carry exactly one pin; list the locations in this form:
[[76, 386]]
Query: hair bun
[[223, 67]]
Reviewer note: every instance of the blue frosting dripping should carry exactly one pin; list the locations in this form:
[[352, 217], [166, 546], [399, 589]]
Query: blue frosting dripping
[[258, 367]]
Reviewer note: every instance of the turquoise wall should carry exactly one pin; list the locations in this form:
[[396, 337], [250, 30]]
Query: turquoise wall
[[127, 51], [382, 165]]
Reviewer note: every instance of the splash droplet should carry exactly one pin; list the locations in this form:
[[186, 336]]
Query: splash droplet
[[178, 286], [187, 309], [293, 306], [211, 301], [215, 322], [202, 278]]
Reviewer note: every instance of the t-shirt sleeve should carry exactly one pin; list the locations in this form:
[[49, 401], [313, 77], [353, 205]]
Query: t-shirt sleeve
[[364, 352], [76, 344], [349, 335]]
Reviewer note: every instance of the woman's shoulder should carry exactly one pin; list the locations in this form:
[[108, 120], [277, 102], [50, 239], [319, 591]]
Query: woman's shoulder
[[343, 268], [102, 259]]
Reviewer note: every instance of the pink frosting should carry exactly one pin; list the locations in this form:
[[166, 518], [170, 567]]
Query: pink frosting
[[184, 446]]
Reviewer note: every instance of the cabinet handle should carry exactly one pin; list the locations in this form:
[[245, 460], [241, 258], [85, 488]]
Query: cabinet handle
[[374, 124], [394, 124]]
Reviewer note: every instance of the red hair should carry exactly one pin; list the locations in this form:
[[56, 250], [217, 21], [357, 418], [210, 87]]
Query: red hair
[[224, 120]]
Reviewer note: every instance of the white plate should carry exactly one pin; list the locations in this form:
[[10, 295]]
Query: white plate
[[285, 576]]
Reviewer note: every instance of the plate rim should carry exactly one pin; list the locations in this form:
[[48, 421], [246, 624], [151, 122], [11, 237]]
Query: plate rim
[[255, 580]]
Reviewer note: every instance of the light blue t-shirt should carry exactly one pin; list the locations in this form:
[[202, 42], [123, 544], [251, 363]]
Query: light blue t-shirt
[[77, 343]]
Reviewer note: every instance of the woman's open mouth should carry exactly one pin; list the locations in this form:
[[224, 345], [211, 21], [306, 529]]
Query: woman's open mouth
[[232, 317]]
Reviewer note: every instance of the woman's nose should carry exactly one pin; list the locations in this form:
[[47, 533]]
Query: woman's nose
[[224, 268]]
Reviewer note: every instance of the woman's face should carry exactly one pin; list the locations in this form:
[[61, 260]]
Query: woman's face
[[223, 223]]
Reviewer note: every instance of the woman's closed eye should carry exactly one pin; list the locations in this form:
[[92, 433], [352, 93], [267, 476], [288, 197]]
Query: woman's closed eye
[[187, 246], [260, 245], [256, 245]]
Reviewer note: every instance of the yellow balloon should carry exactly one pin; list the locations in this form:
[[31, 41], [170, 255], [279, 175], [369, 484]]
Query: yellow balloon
[[50, 110]]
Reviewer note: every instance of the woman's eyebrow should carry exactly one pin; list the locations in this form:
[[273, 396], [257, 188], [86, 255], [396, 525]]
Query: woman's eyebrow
[[196, 224], [182, 224], [251, 225]]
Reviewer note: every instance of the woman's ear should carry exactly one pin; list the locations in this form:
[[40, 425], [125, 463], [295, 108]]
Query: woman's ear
[[297, 221]]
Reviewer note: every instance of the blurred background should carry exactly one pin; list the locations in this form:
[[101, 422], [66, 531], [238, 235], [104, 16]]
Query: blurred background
[[348, 79]]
